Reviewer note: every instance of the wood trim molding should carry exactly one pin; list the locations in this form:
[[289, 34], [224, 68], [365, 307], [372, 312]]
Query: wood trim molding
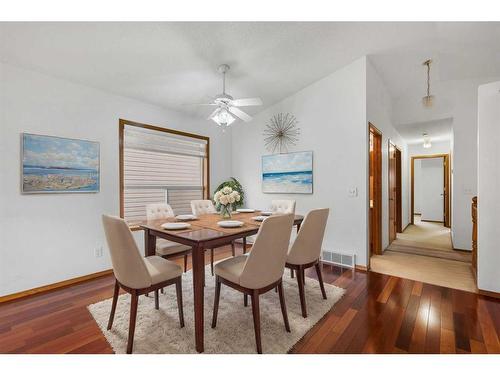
[[488, 293], [121, 127], [361, 268], [60, 284]]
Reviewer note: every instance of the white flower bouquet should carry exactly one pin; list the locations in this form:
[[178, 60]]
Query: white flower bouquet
[[225, 198]]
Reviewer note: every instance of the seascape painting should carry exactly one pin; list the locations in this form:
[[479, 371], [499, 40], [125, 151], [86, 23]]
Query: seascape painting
[[288, 173], [59, 165]]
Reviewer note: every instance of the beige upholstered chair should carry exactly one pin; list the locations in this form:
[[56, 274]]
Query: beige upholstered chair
[[135, 274], [260, 271], [306, 250], [165, 248], [204, 207], [283, 206]]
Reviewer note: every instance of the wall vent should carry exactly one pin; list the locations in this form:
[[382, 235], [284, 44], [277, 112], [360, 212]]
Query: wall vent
[[337, 258]]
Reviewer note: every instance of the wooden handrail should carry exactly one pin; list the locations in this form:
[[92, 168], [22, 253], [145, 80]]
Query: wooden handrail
[[474, 236]]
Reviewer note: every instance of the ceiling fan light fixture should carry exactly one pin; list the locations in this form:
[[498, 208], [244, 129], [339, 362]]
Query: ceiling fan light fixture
[[223, 117]]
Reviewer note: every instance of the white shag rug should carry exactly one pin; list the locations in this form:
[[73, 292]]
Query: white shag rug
[[158, 331]]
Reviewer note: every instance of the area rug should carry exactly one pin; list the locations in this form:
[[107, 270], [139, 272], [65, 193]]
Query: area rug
[[158, 331]]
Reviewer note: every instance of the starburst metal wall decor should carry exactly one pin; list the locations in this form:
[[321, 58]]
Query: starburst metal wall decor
[[281, 132]]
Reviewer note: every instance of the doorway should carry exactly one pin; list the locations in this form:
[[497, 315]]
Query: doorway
[[395, 196], [375, 190], [435, 193]]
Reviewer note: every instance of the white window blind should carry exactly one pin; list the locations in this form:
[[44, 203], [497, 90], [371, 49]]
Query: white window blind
[[160, 167]]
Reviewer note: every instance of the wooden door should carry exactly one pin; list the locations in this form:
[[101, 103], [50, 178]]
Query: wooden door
[[446, 191], [392, 193], [399, 195], [375, 190]]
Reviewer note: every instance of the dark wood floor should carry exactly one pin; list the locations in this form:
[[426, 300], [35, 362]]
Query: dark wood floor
[[378, 314]]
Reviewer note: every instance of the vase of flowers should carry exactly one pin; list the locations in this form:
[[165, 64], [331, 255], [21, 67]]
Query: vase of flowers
[[225, 198]]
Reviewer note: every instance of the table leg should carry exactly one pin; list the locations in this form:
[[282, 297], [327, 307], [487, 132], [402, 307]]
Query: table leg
[[149, 243], [244, 245], [198, 258]]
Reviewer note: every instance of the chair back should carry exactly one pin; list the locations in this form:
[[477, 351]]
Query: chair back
[[202, 207], [307, 245], [128, 264], [283, 206], [266, 261], [156, 211]]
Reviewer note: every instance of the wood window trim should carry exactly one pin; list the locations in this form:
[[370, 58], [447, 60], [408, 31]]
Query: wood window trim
[[447, 166], [206, 163]]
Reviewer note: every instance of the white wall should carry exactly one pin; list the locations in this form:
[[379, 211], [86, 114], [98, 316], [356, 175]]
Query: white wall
[[417, 186], [431, 174], [488, 161], [47, 238], [332, 117], [379, 112]]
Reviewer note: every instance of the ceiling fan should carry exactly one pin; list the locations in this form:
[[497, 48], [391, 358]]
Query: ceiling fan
[[227, 107]]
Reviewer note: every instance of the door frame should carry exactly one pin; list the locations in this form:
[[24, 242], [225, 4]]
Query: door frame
[[446, 188], [375, 229], [399, 187]]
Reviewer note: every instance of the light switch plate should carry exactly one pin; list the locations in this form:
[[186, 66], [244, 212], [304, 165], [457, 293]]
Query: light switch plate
[[352, 192]]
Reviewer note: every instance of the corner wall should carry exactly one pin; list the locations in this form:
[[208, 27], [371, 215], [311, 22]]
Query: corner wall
[[47, 238]]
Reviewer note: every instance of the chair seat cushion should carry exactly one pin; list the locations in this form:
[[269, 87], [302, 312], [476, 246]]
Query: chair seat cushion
[[231, 269], [161, 269], [166, 247]]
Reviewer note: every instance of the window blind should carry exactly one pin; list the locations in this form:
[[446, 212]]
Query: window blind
[[160, 167]]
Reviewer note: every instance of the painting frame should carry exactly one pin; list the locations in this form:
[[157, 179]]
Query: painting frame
[[22, 174], [298, 185]]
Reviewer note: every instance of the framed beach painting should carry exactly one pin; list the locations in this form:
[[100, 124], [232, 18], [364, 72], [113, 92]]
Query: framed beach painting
[[59, 165], [288, 173]]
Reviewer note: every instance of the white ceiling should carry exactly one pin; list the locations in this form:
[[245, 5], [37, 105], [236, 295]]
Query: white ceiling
[[172, 64], [437, 130]]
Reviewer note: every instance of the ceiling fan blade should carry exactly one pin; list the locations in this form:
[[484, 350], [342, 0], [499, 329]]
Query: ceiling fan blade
[[240, 114], [246, 102], [213, 114]]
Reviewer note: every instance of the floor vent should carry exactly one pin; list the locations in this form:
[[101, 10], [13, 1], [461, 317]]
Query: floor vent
[[340, 259]]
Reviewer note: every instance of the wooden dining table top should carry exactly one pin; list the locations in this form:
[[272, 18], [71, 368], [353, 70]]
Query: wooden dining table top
[[205, 227]]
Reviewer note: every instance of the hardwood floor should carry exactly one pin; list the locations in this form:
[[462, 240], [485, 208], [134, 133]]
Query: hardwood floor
[[378, 314]]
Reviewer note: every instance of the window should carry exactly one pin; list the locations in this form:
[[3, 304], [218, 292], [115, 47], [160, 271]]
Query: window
[[160, 165]]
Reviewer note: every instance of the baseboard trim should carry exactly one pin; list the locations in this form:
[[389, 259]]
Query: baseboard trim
[[488, 293], [464, 250], [358, 267], [58, 285], [407, 225], [432, 221]]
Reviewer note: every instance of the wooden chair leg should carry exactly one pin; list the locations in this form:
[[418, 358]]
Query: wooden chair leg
[[185, 262], [291, 273], [300, 281], [320, 279], [216, 301], [232, 248], [212, 261], [113, 305], [178, 289], [131, 327], [256, 320], [245, 299], [244, 245], [157, 300], [283, 306]]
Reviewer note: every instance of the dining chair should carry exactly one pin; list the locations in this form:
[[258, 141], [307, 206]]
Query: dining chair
[[283, 206], [135, 274], [305, 251], [260, 271], [204, 207], [277, 207], [165, 248]]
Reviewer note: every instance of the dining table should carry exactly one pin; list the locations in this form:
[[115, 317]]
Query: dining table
[[204, 233]]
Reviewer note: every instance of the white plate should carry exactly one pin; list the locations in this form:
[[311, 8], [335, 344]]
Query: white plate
[[230, 224], [266, 213], [245, 210], [186, 217], [259, 218], [175, 226]]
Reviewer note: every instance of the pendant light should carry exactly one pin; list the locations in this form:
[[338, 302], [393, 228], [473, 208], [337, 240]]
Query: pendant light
[[428, 100]]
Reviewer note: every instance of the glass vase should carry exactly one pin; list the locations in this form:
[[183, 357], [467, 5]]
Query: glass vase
[[225, 211]]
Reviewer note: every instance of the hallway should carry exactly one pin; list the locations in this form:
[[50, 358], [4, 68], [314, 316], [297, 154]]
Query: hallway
[[424, 252]]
